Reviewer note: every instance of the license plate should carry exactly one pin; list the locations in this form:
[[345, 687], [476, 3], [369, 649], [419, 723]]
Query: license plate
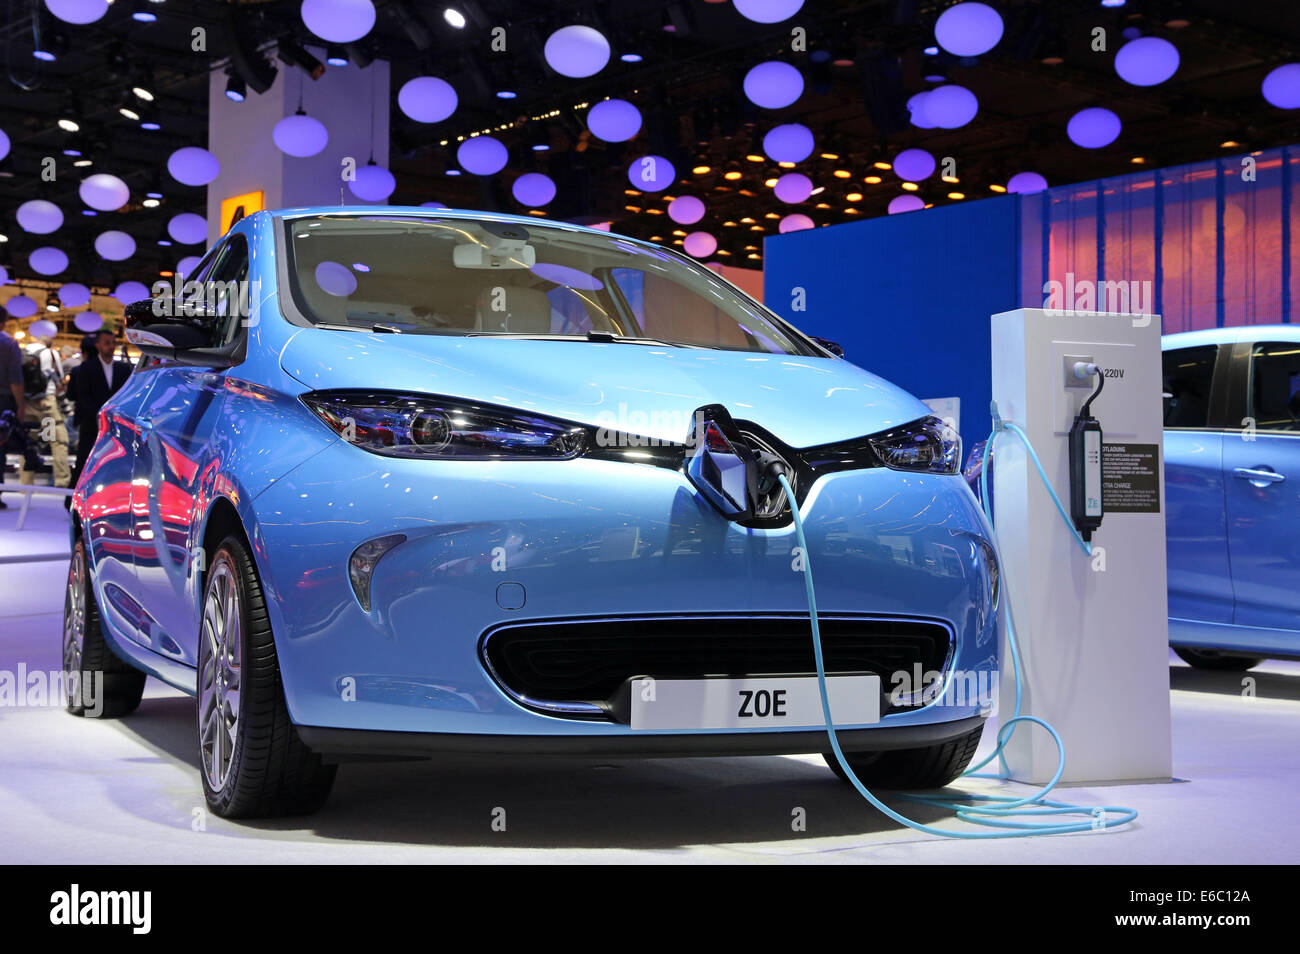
[[764, 702]]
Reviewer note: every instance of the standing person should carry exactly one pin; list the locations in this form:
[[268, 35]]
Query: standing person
[[13, 399], [90, 385], [43, 387]]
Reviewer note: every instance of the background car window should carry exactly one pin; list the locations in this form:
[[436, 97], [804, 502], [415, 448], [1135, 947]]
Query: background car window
[[664, 309], [1275, 386], [1188, 373]]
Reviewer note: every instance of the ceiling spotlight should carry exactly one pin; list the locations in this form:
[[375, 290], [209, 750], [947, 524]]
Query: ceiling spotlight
[[50, 303], [1138, 160], [1229, 144], [82, 163], [882, 165], [454, 17], [143, 93], [151, 126], [842, 174], [89, 212], [753, 158], [541, 147], [733, 175], [1110, 4], [952, 179], [68, 125], [154, 195], [44, 55], [830, 155], [142, 14], [335, 55], [129, 113], [931, 51], [873, 180], [631, 57], [151, 203], [854, 197], [236, 89], [702, 170], [295, 54], [997, 188], [956, 195], [910, 186], [506, 94]]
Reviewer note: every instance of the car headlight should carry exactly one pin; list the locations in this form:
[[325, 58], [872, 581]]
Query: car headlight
[[928, 445], [423, 426]]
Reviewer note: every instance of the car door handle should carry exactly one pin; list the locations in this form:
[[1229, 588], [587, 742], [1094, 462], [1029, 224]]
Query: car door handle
[[1259, 477]]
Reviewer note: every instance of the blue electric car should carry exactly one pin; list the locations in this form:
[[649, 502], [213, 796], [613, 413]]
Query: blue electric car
[[400, 482], [1232, 479]]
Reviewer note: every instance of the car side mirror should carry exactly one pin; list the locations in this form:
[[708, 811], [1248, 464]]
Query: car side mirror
[[834, 347], [160, 331]]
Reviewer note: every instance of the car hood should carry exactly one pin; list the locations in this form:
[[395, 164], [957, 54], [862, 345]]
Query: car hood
[[642, 389]]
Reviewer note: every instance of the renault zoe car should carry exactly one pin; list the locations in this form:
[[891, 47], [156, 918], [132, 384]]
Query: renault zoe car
[[397, 482]]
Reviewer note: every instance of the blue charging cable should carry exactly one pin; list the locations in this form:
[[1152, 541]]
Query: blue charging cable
[[1015, 816]]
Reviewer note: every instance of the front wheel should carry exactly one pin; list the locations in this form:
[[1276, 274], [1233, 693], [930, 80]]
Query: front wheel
[[1216, 661], [932, 766], [254, 764]]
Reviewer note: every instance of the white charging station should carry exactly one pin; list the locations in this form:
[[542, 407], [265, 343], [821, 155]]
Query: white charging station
[[1093, 631]]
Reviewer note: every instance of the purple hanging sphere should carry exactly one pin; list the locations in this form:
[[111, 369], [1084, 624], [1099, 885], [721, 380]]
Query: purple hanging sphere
[[576, 51], [193, 166], [79, 12], [651, 173], [74, 295], [795, 222], [1093, 128], [114, 246], [614, 120], [88, 321], [21, 306], [188, 228], [916, 110], [768, 11], [4, 144], [433, 205], [43, 329], [968, 29], [482, 155], [773, 85], [686, 210], [1281, 87], [339, 21], [129, 292], [104, 192], [700, 244], [300, 135], [905, 203], [373, 183], [913, 165], [1026, 182], [48, 260], [39, 217], [950, 107], [791, 142], [793, 187], [1146, 61], [427, 99], [533, 189]]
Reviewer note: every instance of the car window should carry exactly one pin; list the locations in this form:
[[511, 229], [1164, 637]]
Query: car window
[[461, 276], [1188, 373], [1275, 385], [228, 292]]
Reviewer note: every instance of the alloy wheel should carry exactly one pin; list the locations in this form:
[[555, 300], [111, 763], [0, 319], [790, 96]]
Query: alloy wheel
[[74, 627], [219, 672]]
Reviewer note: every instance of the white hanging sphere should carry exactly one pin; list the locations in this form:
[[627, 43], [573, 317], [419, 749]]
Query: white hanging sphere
[[114, 246], [339, 21]]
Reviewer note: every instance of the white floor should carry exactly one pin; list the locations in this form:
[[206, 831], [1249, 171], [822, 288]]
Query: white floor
[[78, 790]]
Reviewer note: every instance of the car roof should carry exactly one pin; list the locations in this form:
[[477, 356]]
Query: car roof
[[1213, 336], [424, 211]]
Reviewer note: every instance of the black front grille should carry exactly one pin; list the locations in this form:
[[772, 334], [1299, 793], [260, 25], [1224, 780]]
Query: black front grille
[[580, 666]]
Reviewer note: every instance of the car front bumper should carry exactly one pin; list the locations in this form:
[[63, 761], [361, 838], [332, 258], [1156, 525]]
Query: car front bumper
[[493, 544]]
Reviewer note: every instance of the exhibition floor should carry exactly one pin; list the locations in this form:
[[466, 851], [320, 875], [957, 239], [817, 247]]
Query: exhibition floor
[[84, 791]]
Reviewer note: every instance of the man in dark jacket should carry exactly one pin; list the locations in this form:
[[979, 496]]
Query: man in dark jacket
[[90, 385]]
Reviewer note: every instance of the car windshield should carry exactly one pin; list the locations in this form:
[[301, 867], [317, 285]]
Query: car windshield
[[451, 276]]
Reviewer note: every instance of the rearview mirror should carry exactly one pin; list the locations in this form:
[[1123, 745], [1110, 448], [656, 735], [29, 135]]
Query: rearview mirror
[[834, 347], [151, 327]]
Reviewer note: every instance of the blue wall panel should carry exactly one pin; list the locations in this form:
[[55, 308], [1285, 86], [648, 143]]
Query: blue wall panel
[[908, 296]]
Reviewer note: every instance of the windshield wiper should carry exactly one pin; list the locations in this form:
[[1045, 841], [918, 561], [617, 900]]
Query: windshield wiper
[[379, 327], [610, 337]]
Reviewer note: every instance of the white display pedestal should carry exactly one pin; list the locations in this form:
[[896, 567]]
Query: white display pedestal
[[1093, 632]]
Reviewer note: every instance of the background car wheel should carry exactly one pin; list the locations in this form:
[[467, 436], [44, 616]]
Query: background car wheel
[[933, 766], [1220, 662], [87, 657], [254, 765]]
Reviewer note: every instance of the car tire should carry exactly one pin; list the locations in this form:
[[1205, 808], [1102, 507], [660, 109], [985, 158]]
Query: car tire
[[932, 766], [1216, 661], [87, 657], [253, 763]]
